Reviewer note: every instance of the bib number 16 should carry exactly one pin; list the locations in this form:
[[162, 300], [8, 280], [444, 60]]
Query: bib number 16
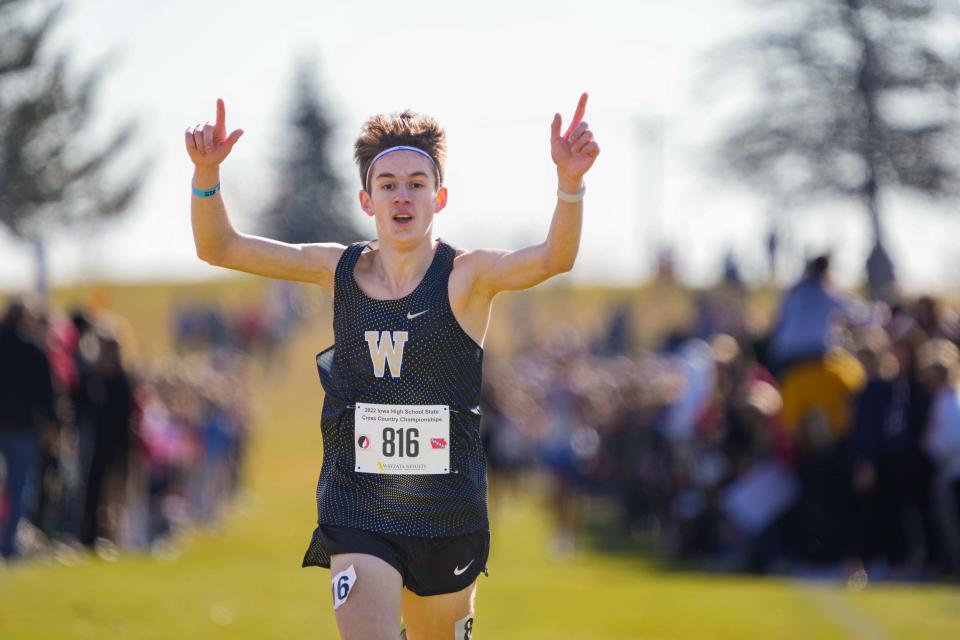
[[402, 442]]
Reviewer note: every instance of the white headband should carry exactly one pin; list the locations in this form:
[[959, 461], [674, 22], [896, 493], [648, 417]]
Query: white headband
[[366, 182]]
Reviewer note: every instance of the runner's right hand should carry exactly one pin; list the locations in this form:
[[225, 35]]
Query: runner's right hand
[[208, 145]]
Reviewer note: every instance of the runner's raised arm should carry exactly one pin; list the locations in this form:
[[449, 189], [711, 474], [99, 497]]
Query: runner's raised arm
[[574, 153], [218, 243]]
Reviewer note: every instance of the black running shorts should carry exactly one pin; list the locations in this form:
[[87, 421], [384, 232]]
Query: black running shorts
[[428, 566]]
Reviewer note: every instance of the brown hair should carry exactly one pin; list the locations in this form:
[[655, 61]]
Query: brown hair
[[410, 129]]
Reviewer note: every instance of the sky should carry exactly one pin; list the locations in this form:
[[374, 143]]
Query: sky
[[493, 74]]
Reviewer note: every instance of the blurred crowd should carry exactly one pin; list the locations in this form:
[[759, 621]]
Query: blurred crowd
[[97, 454], [257, 327], [826, 445]]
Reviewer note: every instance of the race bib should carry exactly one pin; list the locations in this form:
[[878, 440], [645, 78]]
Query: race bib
[[402, 439]]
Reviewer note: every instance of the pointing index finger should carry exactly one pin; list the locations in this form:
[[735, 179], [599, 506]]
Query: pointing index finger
[[578, 114], [221, 116]]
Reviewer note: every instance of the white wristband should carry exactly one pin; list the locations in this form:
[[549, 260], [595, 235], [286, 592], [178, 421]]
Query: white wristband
[[572, 198]]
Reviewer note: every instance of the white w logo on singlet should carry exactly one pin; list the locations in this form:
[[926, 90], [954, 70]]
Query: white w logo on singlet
[[389, 349]]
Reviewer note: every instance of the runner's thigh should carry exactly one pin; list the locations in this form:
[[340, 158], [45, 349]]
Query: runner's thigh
[[434, 617], [371, 610]]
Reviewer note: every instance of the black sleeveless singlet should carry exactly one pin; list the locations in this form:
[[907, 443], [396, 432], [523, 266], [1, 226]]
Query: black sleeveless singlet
[[441, 365]]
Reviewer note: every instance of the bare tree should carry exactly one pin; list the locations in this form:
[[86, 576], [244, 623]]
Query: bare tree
[[857, 99], [50, 173]]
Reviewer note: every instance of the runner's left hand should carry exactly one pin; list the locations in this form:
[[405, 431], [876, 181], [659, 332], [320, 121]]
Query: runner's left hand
[[575, 150]]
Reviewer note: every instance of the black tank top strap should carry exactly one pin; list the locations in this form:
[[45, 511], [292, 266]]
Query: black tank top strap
[[436, 278], [343, 277], [445, 262]]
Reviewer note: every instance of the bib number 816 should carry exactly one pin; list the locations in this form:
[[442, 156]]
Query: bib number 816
[[401, 442]]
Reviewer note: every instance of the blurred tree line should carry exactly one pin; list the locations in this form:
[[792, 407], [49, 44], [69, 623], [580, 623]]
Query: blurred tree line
[[50, 174], [857, 98], [54, 174]]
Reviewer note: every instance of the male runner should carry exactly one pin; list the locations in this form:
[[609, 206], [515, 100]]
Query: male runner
[[402, 493]]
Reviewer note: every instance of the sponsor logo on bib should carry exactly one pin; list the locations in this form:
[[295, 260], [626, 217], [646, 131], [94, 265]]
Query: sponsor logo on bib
[[438, 443]]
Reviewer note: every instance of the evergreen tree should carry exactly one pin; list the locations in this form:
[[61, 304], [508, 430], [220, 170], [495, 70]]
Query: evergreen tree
[[857, 99], [309, 205]]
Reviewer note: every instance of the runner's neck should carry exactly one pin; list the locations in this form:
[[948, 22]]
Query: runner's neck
[[400, 270]]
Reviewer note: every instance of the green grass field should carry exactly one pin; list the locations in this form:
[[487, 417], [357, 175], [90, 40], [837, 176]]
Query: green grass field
[[244, 581]]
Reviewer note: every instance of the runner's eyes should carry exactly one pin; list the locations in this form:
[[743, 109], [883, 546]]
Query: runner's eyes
[[389, 186]]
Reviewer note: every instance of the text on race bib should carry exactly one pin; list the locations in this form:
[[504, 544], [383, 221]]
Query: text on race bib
[[402, 439]]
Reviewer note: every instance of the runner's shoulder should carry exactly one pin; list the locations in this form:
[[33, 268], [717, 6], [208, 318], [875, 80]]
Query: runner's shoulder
[[477, 260], [325, 253], [469, 266]]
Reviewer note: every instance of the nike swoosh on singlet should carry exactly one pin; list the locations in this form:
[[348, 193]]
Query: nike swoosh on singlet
[[457, 571], [411, 316]]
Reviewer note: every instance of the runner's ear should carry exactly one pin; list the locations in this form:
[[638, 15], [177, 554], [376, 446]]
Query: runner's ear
[[366, 203], [441, 200]]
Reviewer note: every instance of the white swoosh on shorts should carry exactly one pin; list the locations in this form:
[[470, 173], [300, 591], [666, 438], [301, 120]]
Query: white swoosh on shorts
[[457, 571]]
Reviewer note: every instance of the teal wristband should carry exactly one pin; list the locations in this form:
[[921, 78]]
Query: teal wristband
[[205, 193]]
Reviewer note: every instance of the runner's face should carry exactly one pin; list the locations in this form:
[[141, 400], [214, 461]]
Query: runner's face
[[403, 196]]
